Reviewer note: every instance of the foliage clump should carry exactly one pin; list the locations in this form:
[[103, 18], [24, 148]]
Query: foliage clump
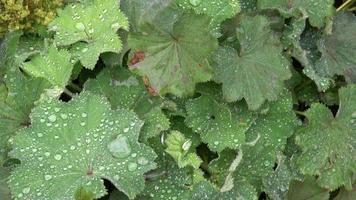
[[27, 15]]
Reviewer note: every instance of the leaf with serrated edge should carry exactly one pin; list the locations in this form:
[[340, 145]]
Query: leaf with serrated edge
[[218, 125], [20, 95], [176, 52], [124, 90], [218, 10], [328, 142], [338, 53], [318, 11], [54, 66], [76, 145], [255, 73], [91, 28]]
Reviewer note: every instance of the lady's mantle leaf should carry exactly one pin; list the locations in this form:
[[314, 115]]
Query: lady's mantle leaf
[[124, 90], [218, 10], [176, 51], [93, 24], [74, 146], [308, 190], [328, 143], [54, 65], [258, 70], [20, 93], [339, 49], [218, 126], [317, 10]]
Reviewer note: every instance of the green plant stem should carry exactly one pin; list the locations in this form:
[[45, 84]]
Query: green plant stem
[[300, 113], [69, 93], [345, 5]]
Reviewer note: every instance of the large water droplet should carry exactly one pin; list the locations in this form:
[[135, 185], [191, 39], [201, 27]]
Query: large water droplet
[[58, 157], [120, 147], [132, 167], [48, 177], [52, 118], [26, 190]]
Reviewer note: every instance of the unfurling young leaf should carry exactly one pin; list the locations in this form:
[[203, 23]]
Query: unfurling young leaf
[[179, 148], [74, 146]]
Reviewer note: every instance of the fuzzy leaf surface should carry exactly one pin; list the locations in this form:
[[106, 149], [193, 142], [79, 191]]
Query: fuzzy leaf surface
[[255, 73], [328, 142]]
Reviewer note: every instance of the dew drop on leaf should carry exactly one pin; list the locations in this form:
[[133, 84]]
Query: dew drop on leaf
[[80, 26], [142, 161], [132, 167], [120, 147]]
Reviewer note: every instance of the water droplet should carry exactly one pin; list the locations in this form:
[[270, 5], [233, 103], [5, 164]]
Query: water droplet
[[64, 116], [80, 26], [26, 190], [47, 154], [82, 123], [85, 50], [142, 161], [186, 145], [48, 177], [126, 130], [58, 157], [120, 147], [115, 26], [84, 115], [132, 167], [52, 118], [39, 135]]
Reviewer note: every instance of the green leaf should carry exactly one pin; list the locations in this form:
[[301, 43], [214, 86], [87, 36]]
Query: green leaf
[[142, 11], [308, 190], [276, 183], [219, 125], [176, 50], [338, 53], [255, 73], [327, 142], [20, 94], [265, 138], [218, 10], [4, 190], [76, 145], [346, 195], [178, 147], [124, 90], [54, 66], [91, 28], [318, 11]]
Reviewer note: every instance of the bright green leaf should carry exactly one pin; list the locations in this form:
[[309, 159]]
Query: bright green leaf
[[53, 65], [328, 142], [91, 28], [76, 145], [20, 94], [178, 147], [256, 72]]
